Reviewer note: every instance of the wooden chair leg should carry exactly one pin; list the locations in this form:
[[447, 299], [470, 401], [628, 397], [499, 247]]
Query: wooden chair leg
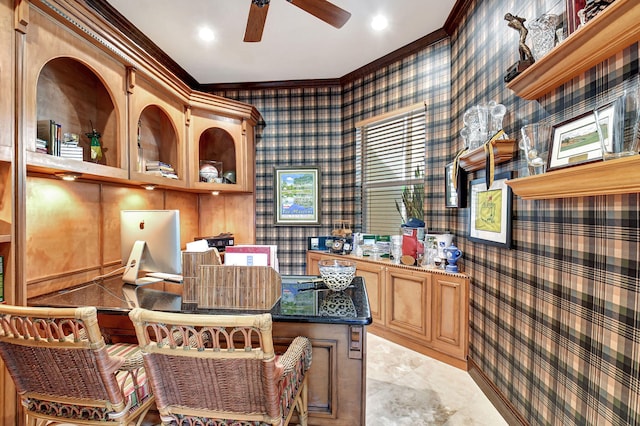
[[302, 402]]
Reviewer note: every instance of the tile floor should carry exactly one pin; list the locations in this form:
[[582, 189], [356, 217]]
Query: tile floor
[[405, 387]]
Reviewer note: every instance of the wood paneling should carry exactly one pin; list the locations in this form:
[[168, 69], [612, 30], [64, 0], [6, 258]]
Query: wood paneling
[[60, 215]]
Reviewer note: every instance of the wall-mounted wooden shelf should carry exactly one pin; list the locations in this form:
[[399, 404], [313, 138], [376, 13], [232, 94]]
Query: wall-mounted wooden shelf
[[503, 150], [612, 30], [619, 176]]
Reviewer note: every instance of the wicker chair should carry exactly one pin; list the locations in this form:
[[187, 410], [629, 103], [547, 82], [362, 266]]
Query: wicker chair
[[65, 373], [228, 374]]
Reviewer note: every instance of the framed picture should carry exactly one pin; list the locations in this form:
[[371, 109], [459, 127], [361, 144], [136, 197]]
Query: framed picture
[[455, 197], [490, 212], [572, 7], [575, 141], [297, 195]]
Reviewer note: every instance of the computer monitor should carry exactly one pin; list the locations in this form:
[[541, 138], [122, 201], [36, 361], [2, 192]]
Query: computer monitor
[[150, 242]]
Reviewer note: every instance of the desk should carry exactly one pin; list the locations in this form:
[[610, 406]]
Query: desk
[[335, 322]]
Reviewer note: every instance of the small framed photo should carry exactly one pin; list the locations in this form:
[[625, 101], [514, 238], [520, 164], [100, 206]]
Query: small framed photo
[[297, 196], [574, 142], [490, 212], [455, 195], [573, 20]]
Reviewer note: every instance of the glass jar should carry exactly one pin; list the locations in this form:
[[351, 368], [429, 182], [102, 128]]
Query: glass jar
[[542, 33]]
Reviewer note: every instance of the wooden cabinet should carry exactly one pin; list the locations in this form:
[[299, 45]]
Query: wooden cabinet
[[450, 321], [79, 88], [337, 377], [82, 75], [157, 136], [424, 310], [223, 134], [409, 303]]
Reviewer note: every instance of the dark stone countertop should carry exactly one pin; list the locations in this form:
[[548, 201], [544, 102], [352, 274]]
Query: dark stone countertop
[[301, 301]]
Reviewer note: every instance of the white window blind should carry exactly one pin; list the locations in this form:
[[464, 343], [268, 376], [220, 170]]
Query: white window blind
[[390, 149]]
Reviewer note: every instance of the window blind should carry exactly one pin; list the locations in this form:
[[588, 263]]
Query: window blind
[[390, 151]]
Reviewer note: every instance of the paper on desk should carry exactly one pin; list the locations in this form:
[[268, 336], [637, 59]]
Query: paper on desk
[[199, 245]]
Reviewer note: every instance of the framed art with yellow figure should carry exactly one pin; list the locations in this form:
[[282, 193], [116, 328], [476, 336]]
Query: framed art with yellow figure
[[490, 211]]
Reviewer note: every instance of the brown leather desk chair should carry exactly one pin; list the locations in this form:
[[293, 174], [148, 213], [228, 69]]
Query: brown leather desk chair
[[227, 373], [64, 372]]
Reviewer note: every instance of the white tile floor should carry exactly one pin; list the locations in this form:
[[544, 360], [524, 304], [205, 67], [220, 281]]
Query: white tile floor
[[405, 387]]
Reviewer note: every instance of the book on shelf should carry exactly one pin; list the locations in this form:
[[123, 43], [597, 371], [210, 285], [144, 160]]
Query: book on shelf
[[156, 163], [51, 132], [71, 151], [162, 174]]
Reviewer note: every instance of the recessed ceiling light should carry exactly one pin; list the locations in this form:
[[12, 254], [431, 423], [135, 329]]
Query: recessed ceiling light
[[206, 34], [379, 23]]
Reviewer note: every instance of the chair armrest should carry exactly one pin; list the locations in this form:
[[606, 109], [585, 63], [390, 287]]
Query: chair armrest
[[299, 349]]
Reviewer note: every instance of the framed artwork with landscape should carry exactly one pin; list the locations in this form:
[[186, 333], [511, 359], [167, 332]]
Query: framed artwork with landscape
[[576, 141], [297, 195], [490, 211]]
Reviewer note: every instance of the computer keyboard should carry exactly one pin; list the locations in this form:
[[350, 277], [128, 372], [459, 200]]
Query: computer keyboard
[[167, 277]]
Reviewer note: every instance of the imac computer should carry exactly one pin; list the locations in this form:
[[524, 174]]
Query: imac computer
[[150, 242]]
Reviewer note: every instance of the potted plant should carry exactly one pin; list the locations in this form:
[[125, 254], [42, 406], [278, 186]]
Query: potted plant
[[412, 200]]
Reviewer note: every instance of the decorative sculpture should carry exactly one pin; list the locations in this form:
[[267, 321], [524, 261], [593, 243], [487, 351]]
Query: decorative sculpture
[[526, 57]]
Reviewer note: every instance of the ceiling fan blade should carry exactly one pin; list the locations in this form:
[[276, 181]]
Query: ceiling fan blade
[[322, 9], [255, 22]]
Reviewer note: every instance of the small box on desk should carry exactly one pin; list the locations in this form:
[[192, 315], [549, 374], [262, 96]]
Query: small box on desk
[[191, 262], [238, 287], [220, 241]]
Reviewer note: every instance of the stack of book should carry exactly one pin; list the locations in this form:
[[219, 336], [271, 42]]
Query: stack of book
[[50, 140], [51, 133], [158, 168], [69, 147]]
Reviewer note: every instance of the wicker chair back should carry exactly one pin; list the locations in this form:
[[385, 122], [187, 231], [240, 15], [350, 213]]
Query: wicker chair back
[[221, 369], [64, 371]]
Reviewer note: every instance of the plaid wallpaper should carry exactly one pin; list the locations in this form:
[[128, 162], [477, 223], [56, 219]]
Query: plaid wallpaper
[[555, 321]]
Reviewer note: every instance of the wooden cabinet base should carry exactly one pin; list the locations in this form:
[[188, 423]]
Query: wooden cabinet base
[[337, 377], [420, 309]]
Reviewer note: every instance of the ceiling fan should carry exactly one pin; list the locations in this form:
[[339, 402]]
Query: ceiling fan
[[321, 9]]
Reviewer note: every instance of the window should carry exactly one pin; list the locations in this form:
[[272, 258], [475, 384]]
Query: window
[[390, 153]]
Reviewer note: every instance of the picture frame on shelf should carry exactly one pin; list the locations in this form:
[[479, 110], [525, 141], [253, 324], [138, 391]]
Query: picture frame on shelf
[[297, 196], [490, 211], [572, 8], [575, 141], [455, 196]]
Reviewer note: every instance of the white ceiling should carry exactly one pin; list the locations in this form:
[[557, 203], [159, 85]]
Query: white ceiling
[[295, 45]]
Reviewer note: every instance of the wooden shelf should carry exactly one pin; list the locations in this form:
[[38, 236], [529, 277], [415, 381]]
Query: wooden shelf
[[503, 150], [612, 30], [5, 238], [51, 164], [619, 176]]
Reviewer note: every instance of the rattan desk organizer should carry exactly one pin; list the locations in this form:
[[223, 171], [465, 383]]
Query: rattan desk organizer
[[191, 262], [238, 287]]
